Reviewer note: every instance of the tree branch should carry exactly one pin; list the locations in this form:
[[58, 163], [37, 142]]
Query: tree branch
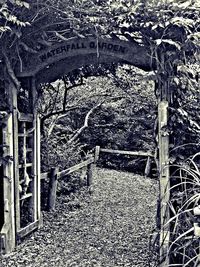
[[10, 71], [59, 112], [27, 48], [85, 125], [67, 89]]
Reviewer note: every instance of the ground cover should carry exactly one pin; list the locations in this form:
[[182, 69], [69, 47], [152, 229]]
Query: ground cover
[[109, 228]]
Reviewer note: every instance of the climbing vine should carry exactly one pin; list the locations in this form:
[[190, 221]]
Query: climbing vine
[[171, 29]]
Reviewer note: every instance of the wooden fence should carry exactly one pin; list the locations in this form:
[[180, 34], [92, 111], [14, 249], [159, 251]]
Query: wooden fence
[[55, 174], [149, 156]]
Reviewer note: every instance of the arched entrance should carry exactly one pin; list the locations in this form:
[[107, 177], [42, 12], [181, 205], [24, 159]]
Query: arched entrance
[[47, 66]]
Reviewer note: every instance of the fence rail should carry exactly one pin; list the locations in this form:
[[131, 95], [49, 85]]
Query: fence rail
[[148, 154], [75, 167], [54, 174], [129, 153]]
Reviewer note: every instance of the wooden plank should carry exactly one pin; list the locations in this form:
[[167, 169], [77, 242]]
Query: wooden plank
[[24, 149], [35, 173], [163, 139], [8, 230], [52, 189], [24, 135], [129, 153], [133, 53], [25, 117], [33, 97], [39, 215], [27, 165], [27, 230], [75, 168], [16, 169]]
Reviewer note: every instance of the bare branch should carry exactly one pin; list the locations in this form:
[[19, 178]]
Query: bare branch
[[67, 89], [10, 71], [27, 48], [59, 112], [85, 125]]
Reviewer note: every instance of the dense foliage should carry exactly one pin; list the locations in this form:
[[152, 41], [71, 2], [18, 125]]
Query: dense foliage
[[116, 111], [172, 31]]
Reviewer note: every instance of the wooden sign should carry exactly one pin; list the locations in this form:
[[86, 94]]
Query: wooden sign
[[78, 52]]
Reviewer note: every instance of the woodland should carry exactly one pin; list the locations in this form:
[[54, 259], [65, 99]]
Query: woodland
[[115, 105]]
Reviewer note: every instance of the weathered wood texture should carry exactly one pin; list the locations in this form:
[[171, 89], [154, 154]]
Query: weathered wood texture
[[54, 175], [77, 52], [124, 152], [89, 174], [38, 167], [148, 167], [52, 189], [164, 181], [7, 234], [75, 167], [28, 229], [96, 153], [16, 169]]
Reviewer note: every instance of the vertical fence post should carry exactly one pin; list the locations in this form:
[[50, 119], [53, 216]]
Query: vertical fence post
[[52, 189], [96, 153], [148, 167], [164, 181], [89, 174]]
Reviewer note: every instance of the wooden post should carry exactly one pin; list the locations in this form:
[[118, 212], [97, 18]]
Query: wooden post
[[148, 167], [38, 172], [52, 189], [89, 174], [96, 154], [164, 181], [36, 153], [7, 233], [16, 158]]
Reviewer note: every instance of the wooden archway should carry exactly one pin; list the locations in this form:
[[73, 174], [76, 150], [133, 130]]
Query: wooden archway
[[61, 58], [48, 65]]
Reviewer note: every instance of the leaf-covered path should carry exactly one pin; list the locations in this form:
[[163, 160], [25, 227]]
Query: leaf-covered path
[[110, 228]]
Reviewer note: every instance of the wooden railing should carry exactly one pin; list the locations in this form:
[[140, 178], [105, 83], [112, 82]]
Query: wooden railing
[[54, 174], [148, 154]]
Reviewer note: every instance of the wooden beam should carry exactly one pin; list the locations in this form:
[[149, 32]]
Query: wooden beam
[[118, 50], [128, 153], [26, 230], [7, 233], [25, 117], [75, 168], [38, 158], [16, 160], [163, 138]]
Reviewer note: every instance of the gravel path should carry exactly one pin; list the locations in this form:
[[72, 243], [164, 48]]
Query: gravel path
[[110, 228]]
